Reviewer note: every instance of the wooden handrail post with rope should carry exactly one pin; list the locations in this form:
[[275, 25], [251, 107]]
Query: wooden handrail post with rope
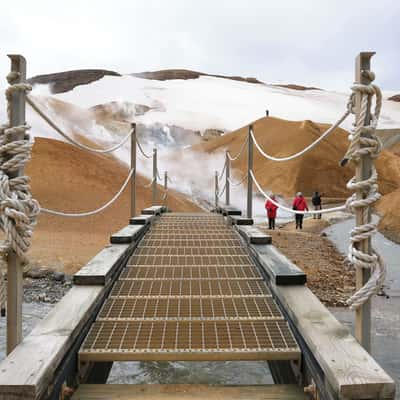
[[227, 178], [363, 215], [133, 168], [216, 190], [166, 189], [154, 184], [249, 171]]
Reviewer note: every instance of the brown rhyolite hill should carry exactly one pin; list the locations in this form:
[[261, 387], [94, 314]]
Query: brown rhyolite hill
[[65, 81], [396, 97], [316, 170]]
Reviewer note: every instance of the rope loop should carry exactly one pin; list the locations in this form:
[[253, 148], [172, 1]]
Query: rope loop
[[364, 142], [18, 209]]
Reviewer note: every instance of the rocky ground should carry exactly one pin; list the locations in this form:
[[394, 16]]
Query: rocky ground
[[328, 274]]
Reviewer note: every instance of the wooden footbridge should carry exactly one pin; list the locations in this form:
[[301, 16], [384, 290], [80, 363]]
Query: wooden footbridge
[[174, 287], [202, 287]]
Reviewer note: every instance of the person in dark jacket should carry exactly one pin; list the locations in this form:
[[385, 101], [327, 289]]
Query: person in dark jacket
[[271, 212], [299, 204], [317, 203]]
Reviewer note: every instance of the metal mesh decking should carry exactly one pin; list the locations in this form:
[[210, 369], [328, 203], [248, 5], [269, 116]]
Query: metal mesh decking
[[190, 292]]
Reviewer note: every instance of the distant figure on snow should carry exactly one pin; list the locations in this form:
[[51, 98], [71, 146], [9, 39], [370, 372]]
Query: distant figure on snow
[[317, 203], [299, 204], [271, 212]]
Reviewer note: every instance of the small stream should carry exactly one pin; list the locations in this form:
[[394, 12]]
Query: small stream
[[385, 311]]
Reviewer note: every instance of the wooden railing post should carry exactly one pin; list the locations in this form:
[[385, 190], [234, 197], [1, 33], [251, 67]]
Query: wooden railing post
[[227, 177], [133, 167], [363, 172], [216, 190], [249, 178], [166, 188], [154, 185], [14, 266]]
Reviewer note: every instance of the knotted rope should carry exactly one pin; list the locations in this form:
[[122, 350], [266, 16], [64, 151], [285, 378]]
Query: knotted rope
[[361, 145], [18, 209]]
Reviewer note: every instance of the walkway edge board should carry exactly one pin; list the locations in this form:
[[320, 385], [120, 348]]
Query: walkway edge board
[[154, 210], [280, 269], [99, 270], [141, 220], [253, 235], [127, 235], [347, 368]]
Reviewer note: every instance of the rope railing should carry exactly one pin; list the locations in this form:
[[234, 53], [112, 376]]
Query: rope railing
[[71, 140], [239, 153], [98, 210], [149, 184], [145, 155], [221, 174], [233, 183], [290, 210], [306, 149], [221, 192]]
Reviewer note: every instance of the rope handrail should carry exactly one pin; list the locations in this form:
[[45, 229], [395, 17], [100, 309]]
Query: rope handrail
[[82, 146], [149, 184], [141, 149], [220, 193], [233, 183], [158, 175], [88, 213], [306, 149], [220, 176], [239, 153], [312, 212]]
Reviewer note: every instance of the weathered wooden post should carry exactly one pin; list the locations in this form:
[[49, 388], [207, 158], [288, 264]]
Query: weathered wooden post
[[154, 185], [216, 190], [133, 167], [249, 177], [363, 172], [227, 178], [166, 188], [14, 265]]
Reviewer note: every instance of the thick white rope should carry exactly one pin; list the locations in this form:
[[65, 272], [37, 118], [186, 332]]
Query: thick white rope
[[312, 212], [18, 209], [306, 149], [35, 107], [142, 151], [98, 210], [233, 183], [239, 153], [359, 146], [149, 184]]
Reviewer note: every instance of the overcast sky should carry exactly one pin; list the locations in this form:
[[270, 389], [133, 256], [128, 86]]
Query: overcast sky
[[311, 42]]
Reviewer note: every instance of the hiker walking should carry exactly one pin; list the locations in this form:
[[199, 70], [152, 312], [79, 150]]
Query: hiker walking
[[317, 203], [271, 212], [299, 204]]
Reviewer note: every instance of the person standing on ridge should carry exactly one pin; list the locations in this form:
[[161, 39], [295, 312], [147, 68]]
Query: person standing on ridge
[[317, 203], [271, 212], [299, 204]]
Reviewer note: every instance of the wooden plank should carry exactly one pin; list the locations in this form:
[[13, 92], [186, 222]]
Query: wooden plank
[[100, 269], [253, 235], [28, 371], [141, 220], [279, 268], [238, 220], [153, 210], [188, 392], [128, 234], [348, 369], [230, 210]]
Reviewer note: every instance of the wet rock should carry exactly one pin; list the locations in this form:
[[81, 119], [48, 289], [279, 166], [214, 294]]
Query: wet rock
[[58, 276], [37, 273]]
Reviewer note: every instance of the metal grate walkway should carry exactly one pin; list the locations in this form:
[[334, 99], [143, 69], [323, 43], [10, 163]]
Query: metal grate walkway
[[190, 292]]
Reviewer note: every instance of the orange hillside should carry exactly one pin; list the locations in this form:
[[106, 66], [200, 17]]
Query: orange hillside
[[68, 179], [317, 170]]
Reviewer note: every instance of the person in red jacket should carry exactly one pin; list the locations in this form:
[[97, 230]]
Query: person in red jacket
[[271, 212], [300, 204]]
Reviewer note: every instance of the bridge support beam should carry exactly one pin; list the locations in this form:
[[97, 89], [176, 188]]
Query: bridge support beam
[[14, 266], [363, 172], [133, 167], [249, 178]]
